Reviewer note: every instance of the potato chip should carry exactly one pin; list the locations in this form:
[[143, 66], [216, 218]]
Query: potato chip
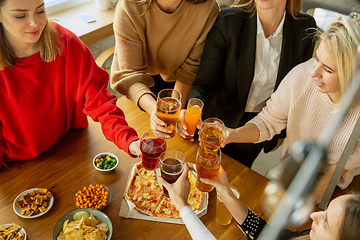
[[84, 226]]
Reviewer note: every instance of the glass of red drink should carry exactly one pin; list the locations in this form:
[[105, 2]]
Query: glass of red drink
[[152, 144], [168, 107], [207, 166], [171, 166]]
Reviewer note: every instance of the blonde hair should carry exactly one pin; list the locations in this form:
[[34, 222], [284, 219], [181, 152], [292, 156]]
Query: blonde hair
[[293, 7], [49, 46], [341, 41]]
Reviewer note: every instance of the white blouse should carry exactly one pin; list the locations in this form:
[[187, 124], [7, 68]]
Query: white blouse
[[196, 228]]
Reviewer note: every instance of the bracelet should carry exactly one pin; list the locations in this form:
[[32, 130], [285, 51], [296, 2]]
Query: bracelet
[[252, 225]]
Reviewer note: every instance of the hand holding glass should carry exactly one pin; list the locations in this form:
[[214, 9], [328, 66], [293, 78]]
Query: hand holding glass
[[222, 215], [192, 116], [207, 166], [152, 144], [168, 108], [171, 166], [212, 134]]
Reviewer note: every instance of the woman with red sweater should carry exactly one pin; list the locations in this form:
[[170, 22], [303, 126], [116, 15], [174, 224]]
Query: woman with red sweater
[[49, 84]]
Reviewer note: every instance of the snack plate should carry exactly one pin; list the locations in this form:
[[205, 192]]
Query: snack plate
[[97, 214], [127, 209], [18, 210], [22, 230]]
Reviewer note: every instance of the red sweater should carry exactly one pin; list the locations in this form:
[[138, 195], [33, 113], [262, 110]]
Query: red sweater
[[40, 101]]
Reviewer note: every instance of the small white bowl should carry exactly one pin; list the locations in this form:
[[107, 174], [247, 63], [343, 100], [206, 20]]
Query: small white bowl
[[106, 171], [22, 230]]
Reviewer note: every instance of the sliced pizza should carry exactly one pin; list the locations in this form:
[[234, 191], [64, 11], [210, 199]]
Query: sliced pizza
[[145, 194]]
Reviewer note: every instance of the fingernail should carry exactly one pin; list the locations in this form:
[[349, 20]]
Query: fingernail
[[202, 179]]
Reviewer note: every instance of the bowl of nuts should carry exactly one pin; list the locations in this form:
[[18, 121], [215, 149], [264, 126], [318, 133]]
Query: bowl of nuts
[[95, 196], [105, 163]]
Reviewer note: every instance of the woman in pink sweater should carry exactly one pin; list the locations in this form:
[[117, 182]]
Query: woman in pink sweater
[[306, 101], [49, 84]]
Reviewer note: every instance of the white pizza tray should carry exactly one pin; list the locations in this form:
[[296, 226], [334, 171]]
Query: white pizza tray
[[127, 209]]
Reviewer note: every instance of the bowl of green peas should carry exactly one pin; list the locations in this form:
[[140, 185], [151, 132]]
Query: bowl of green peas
[[105, 162]]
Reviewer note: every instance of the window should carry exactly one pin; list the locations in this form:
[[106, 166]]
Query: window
[[53, 6]]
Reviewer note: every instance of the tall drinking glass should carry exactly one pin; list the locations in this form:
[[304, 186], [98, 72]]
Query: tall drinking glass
[[171, 166], [192, 116], [222, 214], [152, 144], [168, 108], [212, 134], [207, 166]]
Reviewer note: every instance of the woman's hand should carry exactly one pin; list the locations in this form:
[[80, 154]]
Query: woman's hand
[[222, 184], [179, 191], [157, 124], [181, 126], [229, 136], [134, 148]]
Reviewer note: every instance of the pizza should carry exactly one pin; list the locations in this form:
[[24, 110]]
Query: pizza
[[148, 197]]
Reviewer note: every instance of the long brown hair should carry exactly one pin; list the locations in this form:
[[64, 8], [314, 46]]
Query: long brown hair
[[349, 229], [49, 46], [293, 7]]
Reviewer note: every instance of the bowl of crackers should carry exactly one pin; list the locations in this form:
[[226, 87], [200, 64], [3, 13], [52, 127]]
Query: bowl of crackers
[[33, 203], [83, 224], [105, 162]]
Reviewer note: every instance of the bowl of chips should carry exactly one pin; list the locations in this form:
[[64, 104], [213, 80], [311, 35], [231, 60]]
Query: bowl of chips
[[83, 224], [105, 162], [95, 196]]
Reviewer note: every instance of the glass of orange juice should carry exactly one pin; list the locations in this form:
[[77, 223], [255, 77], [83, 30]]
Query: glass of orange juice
[[192, 116], [222, 215]]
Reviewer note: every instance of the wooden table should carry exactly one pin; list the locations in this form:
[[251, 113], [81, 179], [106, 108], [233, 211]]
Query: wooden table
[[67, 166]]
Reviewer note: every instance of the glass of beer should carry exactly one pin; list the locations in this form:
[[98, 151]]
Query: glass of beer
[[171, 166], [192, 116], [212, 134], [152, 144], [222, 215], [168, 108], [207, 166]]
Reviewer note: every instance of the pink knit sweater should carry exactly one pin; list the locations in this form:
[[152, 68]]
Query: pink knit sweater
[[306, 113]]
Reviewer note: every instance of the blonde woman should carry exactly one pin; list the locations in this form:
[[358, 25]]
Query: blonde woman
[[306, 101], [249, 50], [49, 84], [158, 45]]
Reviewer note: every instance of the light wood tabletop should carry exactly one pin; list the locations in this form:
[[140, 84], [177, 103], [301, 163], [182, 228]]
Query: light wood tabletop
[[67, 167]]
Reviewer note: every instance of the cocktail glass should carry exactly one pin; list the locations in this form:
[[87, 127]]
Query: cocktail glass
[[171, 166], [168, 108], [192, 116], [207, 166], [152, 144], [212, 134]]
